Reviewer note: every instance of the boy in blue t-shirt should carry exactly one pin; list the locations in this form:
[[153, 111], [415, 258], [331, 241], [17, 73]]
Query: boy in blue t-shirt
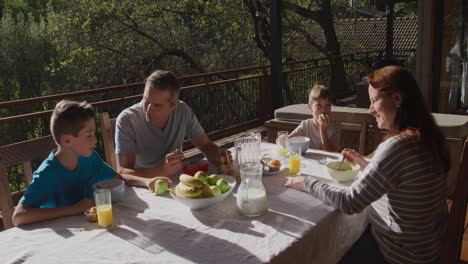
[[62, 185]]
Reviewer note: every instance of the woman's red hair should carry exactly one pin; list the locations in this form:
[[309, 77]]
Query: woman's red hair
[[413, 117]]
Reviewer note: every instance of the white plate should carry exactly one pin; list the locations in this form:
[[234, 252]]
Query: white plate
[[266, 170]]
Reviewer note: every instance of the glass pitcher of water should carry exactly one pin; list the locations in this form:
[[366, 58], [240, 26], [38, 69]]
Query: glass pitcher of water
[[247, 149], [251, 195]]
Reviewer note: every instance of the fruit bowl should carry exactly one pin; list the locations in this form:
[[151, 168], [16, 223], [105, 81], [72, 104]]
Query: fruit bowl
[[346, 173], [199, 203]]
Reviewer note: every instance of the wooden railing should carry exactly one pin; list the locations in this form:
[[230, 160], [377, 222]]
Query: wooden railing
[[226, 102]]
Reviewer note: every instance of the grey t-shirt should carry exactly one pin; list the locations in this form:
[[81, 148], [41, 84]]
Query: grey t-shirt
[[133, 134], [307, 129]]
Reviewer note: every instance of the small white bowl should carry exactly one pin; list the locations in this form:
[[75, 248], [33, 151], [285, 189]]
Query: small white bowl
[[117, 187], [199, 203], [347, 172], [299, 141]]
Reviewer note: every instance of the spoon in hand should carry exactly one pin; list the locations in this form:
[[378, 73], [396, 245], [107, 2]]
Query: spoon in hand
[[341, 163]]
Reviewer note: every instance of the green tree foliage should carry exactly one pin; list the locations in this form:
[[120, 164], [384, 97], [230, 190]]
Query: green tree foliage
[[25, 51], [36, 9], [114, 42]]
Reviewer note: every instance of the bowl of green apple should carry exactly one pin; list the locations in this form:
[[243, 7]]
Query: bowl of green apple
[[202, 190]]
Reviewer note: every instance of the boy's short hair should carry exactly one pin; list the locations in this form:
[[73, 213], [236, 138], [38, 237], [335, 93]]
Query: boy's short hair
[[69, 117], [164, 80], [319, 92]]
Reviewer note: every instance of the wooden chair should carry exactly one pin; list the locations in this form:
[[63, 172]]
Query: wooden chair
[[21, 153], [363, 121], [108, 132], [456, 221]]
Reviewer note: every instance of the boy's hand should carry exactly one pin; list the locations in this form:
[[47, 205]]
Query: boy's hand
[[150, 182], [173, 162], [81, 206], [324, 121]]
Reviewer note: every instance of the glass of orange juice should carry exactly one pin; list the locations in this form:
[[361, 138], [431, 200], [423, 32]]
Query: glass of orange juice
[[295, 160], [281, 142], [103, 201]]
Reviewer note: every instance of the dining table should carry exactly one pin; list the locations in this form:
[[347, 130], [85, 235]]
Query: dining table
[[296, 228]]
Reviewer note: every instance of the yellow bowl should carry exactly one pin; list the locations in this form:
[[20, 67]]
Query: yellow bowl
[[347, 172]]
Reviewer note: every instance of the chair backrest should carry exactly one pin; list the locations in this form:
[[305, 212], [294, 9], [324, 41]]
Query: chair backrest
[[108, 132], [21, 153], [456, 221], [363, 119]]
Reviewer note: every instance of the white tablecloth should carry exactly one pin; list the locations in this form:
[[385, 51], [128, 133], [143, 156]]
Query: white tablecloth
[[297, 228]]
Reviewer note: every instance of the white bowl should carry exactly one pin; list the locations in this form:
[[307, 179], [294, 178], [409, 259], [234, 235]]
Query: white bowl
[[117, 187], [299, 141], [347, 172], [199, 203]]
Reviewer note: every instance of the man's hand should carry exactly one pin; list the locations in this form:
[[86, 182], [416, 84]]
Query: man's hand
[[81, 206], [173, 162], [150, 182], [225, 161], [296, 182], [225, 157]]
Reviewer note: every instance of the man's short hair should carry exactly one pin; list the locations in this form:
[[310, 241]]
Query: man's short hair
[[69, 117], [164, 80], [319, 92]]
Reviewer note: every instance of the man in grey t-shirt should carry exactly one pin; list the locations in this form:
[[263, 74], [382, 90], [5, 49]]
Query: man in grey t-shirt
[[149, 134]]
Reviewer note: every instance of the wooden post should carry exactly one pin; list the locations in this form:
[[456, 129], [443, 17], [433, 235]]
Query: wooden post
[[6, 203], [276, 54], [27, 171], [266, 108]]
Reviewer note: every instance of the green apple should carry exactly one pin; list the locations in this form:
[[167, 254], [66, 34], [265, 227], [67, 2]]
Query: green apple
[[222, 160], [216, 190], [201, 175], [223, 185], [212, 179], [160, 187]]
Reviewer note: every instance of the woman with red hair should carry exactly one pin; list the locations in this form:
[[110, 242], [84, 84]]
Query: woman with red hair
[[403, 185]]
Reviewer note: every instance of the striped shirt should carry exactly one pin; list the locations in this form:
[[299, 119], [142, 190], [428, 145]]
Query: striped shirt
[[406, 192]]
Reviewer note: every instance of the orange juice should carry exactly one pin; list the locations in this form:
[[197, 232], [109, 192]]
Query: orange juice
[[294, 164], [104, 214], [283, 152]]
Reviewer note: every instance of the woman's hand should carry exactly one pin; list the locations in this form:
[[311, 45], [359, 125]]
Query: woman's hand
[[353, 156], [296, 182]]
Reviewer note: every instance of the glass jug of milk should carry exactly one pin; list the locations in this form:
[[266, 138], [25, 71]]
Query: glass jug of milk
[[251, 195]]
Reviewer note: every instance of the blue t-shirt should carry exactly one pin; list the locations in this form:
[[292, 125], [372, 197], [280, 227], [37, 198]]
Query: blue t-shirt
[[54, 186]]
